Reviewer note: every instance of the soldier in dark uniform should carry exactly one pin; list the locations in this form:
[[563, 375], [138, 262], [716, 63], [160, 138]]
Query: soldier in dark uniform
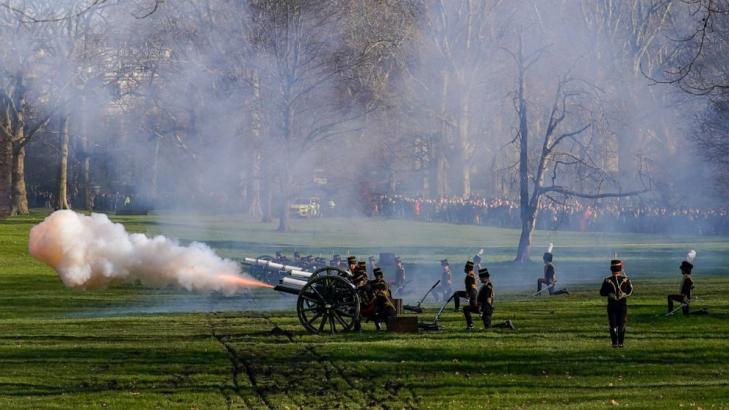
[[687, 284], [372, 264], [336, 261], [469, 282], [617, 288], [384, 306], [477, 260], [445, 288], [362, 267], [483, 302], [351, 263], [550, 275], [399, 274], [359, 279], [297, 258], [280, 258]]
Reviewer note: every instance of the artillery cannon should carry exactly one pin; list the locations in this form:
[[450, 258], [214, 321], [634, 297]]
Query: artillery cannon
[[327, 299]]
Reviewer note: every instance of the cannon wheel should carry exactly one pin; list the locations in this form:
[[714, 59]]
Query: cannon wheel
[[328, 303], [331, 271]]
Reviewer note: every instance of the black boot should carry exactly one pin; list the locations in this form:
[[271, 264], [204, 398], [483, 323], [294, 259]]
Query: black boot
[[621, 337], [614, 336]]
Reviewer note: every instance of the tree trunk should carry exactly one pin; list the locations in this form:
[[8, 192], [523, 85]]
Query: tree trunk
[[525, 240], [153, 185], [267, 195], [283, 219], [464, 142], [526, 212], [86, 162], [20, 194], [255, 208], [441, 173], [62, 196], [6, 172]]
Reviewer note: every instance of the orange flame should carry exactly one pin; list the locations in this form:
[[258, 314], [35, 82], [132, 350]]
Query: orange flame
[[244, 282]]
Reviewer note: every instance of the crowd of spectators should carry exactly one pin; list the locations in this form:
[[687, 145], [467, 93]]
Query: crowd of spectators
[[605, 215], [102, 201]]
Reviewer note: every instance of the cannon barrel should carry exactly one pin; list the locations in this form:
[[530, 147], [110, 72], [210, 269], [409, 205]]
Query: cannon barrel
[[273, 265], [290, 285]]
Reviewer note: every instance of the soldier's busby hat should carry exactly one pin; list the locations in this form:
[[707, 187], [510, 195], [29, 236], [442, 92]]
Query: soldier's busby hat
[[468, 267], [309, 257], [351, 260], [444, 262], [362, 264], [296, 254], [483, 273], [687, 264], [616, 265], [547, 257], [378, 272], [278, 253]]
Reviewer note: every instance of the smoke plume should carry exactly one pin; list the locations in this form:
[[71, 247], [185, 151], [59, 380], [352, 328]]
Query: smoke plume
[[92, 252]]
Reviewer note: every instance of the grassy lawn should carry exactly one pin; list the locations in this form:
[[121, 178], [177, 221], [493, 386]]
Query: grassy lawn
[[129, 347]]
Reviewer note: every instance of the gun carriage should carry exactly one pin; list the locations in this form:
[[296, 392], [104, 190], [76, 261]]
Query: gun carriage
[[327, 302]]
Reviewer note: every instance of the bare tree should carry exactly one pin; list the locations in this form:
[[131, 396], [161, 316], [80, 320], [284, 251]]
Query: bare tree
[[565, 140]]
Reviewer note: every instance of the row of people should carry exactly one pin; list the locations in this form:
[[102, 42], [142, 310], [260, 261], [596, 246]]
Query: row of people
[[616, 288], [607, 215]]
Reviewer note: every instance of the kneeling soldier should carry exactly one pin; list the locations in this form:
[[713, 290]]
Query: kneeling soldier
[[550, 276], [617, 288], [687, 284], [484, 304], [384, 306]]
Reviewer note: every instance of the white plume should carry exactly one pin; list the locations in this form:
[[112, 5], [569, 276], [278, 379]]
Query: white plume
[[92, 252], [549, 247], [480, 252], [691, 256]]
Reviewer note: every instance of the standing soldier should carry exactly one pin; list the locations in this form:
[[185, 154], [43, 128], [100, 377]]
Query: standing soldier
[[550, 275], [687, 284], [477, 260], [336, 261], [617, 288], [469, 282], [372, 265], [399, 274], [483, 303], [446, 280]]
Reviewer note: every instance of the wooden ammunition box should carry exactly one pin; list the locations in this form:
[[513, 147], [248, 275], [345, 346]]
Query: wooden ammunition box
[[398, 305], [403, 324]]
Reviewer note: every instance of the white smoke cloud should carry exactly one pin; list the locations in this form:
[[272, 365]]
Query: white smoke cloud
[[91, 252]]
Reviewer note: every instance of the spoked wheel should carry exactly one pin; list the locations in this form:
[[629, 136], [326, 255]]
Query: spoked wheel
[[331, 271], [328, 304]]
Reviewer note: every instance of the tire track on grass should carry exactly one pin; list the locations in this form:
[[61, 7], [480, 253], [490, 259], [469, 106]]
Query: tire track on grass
[[238, 367], [390, 389]]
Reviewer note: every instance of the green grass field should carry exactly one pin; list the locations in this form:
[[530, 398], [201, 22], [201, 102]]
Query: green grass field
[[130, 347]]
